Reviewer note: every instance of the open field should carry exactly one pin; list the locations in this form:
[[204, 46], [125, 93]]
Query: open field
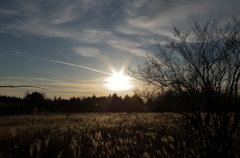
[[94, 135]]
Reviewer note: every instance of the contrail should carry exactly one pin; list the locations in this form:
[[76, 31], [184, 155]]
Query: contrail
[[65, 63], [22, 86]]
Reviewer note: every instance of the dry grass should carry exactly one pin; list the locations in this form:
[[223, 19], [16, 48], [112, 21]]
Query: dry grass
[[94, 135]]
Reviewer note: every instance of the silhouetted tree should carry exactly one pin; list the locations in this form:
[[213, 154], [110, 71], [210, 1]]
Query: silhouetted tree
[[115, 103], [202, 65], [126, 105], [163, 102], [13, 106], [37, 100], [105, 106], [137, 103], [75, 105]]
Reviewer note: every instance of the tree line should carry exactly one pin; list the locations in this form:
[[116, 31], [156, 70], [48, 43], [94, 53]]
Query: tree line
[[38, 102]]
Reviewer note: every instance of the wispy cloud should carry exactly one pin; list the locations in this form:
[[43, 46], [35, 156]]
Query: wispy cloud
[[129, 46], [57, 21], [50, 84], [89, 30], [52, 18], [87, 51], [105, 22], [1, 31], [54, 87]]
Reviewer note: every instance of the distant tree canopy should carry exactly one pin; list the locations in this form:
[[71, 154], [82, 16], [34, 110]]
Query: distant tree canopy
[[198, 70], [35, 96], [111, 103], [36, 99]]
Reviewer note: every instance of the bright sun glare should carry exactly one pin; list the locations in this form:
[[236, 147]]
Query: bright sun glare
[[119, 82]]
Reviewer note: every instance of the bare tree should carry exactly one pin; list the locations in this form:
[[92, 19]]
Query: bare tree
[[202, 65]]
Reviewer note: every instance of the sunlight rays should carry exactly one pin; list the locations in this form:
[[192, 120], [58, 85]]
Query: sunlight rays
[[119, 82]]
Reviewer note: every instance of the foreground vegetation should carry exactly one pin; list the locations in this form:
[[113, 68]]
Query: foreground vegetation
[[95, 135]]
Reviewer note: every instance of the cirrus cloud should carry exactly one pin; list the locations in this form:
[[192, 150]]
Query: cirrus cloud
[[87, 51]]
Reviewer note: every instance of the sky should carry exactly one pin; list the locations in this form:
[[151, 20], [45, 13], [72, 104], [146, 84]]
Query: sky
[[72, 47]]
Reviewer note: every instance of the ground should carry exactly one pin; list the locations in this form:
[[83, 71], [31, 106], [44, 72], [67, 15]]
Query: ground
[[93, 135]]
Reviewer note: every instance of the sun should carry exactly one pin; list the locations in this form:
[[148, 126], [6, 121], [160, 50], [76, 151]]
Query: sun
[[119, 82]]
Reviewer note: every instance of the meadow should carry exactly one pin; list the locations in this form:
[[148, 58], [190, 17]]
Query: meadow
[[95, 135]]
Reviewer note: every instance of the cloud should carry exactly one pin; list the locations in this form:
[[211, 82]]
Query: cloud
[[87, 51], [54, 87], [65, 14], [129, 46], [83, 22], [108, 23], [108, 30], [49, 84], [4, 32]]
